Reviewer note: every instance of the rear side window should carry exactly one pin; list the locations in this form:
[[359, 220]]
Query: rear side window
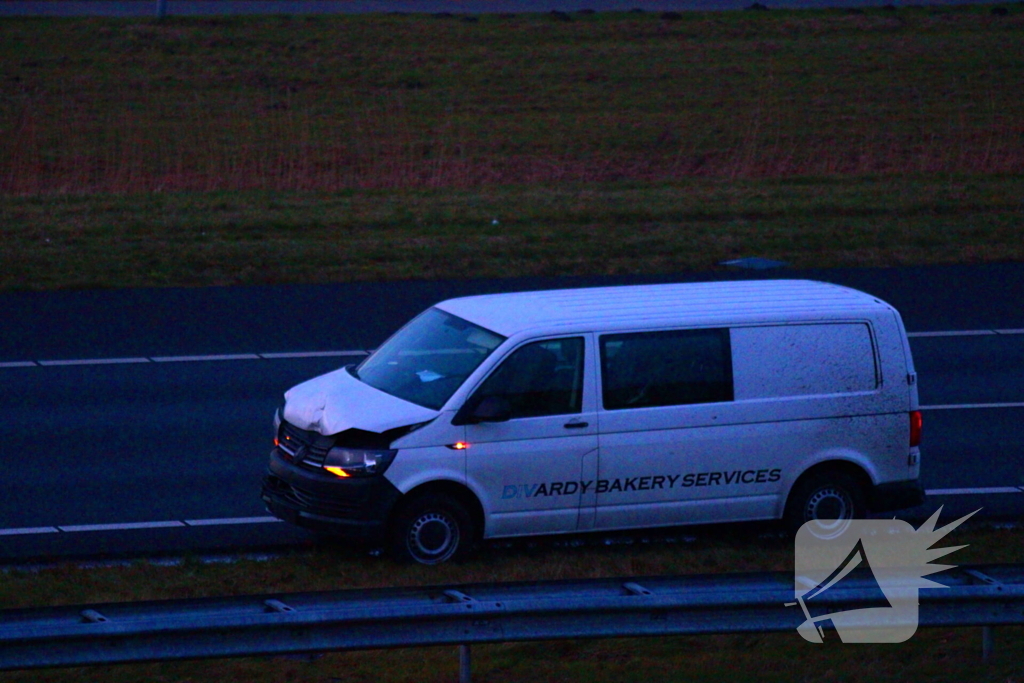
[[676, 367], [803, 360]]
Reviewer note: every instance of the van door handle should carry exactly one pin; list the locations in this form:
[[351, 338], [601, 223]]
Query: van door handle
[[576, 425]]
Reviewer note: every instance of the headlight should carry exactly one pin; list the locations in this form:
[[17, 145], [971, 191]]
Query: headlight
[[357, 462]]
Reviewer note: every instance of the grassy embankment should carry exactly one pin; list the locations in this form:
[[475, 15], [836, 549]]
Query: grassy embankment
[[257, 150], [295, 149]]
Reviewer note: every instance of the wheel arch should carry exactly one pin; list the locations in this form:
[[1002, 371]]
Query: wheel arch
[[445, 487], [859, 474]]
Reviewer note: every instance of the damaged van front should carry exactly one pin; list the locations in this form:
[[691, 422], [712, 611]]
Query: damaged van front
[[337, 435]]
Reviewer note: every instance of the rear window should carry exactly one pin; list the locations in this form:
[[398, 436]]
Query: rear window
[[675, 367], [803, 360]]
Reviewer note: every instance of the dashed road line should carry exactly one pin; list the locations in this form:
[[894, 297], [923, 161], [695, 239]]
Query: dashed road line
[[19, 364], [358, 352], [226, 521], [126, 526], [199, 359], [975, 491], [972, 406], [312, 354], [134, 526], [30, 531], [93, 361], [957, 333], [235, 521], [180, 359], [965, 333]]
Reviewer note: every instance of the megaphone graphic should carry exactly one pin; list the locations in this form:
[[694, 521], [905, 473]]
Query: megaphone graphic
[[817, 616]]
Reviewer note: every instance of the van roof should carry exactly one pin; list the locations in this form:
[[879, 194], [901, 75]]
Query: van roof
[[695, 303]]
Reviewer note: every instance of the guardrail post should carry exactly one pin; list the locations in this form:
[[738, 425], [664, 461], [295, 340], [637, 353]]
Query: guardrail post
[[464, 672], [987, 640]]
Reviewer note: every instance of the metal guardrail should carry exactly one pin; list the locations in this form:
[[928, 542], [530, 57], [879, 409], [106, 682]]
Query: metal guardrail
[[482, 613]]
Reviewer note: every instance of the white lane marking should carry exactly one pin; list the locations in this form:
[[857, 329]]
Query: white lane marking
[[965, 333], [232, 520], [130, 526], [361, 352], [958, 333], [195, 359], [975, 491], [94, 361], [181, 359], [968, 406], [120, 527], [312, 354], [29, 531]]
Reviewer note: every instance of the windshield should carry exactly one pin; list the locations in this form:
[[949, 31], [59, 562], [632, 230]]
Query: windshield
[[428, 359]]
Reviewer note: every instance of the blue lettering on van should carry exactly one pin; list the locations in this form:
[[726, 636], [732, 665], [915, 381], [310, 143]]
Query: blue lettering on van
[[521, 491], [645, 483]]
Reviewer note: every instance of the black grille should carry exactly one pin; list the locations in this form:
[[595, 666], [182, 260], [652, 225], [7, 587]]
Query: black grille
[[303, 447], [304, 499]]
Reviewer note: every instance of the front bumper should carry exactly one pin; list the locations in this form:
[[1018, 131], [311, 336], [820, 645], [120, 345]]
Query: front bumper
[[896, 495], [356, 508]]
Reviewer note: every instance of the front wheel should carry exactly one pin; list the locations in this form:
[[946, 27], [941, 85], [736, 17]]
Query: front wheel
[[830, 499], [431, 529]]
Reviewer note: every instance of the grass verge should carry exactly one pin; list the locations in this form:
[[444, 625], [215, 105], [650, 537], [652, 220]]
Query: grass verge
[[229, 238]]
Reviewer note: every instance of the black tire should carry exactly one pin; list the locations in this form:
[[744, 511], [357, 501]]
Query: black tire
[[832, 497], [432, 529]]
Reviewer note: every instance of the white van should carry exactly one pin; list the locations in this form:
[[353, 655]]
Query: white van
[[611, 408]]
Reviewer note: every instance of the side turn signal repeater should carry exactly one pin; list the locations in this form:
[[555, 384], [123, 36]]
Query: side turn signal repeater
[[458, 446]]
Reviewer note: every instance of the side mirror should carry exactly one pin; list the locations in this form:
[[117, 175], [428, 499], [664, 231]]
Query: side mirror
[[489, 409]]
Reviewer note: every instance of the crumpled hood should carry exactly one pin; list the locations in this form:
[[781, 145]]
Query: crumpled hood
[[337, 401]]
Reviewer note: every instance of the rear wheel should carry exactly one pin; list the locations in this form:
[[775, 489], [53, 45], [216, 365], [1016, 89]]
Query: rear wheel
[[830, 499], [431, 529]]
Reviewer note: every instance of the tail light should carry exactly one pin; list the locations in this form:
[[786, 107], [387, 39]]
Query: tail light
[[915, 428]]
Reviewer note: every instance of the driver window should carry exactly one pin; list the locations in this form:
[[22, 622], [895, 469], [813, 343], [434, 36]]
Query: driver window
[[542, 378]]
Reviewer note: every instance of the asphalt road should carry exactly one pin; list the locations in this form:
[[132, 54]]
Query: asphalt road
[[138, 421]]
